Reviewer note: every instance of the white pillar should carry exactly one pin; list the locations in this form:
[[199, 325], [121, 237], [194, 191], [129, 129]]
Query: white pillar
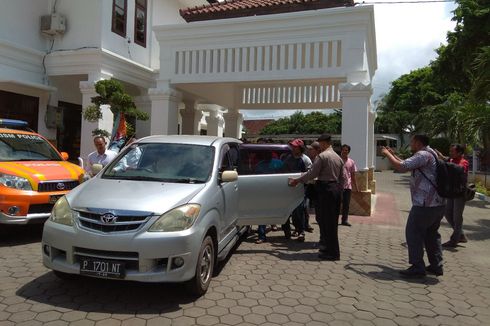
[[371, 140], [355, 121], [188, 115], [215, 123], [233, 124], [164, 111], [87, 88], [143, 103]]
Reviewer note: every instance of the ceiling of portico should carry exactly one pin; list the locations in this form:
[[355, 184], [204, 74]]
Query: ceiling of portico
[[267, 95]]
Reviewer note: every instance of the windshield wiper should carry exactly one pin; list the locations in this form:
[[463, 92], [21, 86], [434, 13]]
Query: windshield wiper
[[134, 177], [184, 180]]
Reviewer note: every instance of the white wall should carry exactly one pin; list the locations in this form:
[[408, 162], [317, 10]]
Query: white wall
[[83, 24], [120, 45], [20, 22], [68, 89]]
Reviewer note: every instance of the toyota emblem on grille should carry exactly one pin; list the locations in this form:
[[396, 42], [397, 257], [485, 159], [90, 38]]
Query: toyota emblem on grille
[[60, 186], [108, 218]]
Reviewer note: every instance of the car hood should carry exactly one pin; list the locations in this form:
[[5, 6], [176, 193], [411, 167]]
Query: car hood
[[42, 170], [144, 196]]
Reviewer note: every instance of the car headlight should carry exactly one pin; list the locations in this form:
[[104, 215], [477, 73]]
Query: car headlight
[[15, 182], [62, 212], [177, 219]]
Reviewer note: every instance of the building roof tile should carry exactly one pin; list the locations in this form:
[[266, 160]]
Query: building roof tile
[[242, 8]]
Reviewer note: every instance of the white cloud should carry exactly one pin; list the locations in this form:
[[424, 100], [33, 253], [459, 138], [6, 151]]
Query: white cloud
[[406, 36]]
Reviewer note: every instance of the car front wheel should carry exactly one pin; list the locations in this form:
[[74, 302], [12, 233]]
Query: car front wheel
[[204, 268]]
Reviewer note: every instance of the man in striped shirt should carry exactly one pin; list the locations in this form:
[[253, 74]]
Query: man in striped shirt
[[424, 219]]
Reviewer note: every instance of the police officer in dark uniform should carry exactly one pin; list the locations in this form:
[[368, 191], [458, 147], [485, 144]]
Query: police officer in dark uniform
[[328, 172]]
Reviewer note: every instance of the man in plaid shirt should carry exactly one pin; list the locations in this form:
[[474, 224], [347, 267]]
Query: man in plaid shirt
[[424, 219]]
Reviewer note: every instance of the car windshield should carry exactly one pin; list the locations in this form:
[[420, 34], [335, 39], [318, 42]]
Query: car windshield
[[178, 163], [23, 147]]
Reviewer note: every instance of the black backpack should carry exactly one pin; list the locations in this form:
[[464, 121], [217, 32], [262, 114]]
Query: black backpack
[[450, 179]]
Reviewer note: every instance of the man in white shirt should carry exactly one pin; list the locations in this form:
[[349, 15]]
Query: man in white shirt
[[101, 156]]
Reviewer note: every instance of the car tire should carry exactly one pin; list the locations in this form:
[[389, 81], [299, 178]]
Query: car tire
[[204, 268], [65, 276]]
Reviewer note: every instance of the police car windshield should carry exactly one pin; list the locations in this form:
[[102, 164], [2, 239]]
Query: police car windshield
[[24, 147]]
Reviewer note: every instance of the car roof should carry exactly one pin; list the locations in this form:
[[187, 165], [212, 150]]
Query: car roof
[[188, 139], [17, 131], [265, 146]]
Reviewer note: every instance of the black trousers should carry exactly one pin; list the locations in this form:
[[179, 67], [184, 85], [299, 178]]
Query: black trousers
[[328, 210], [346, 194]]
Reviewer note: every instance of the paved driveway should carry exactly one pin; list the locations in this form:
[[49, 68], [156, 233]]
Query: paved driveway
[[276, 283]]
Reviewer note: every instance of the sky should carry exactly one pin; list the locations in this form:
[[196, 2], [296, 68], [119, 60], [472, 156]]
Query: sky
[[406, 38]]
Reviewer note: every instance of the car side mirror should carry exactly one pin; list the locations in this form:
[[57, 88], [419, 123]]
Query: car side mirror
[[96, 168], [65, 156], [229, 176]]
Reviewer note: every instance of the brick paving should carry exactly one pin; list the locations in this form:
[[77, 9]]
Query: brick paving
[[276, 283]]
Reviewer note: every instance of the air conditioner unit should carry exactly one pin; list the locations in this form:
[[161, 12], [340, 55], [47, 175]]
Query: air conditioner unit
[[54, 24]]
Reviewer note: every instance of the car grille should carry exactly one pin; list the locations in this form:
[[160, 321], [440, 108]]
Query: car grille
[[91, 220], [61, 185], [40, 208]]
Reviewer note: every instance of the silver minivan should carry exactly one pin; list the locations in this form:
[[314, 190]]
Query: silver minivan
[[165, 210]]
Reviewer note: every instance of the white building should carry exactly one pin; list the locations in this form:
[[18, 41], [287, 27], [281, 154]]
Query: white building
[[58, 67], [227, 58]]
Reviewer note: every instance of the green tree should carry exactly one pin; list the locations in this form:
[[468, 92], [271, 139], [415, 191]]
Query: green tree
[[450, 97], [311, 123], [458, 63], [111, 92]]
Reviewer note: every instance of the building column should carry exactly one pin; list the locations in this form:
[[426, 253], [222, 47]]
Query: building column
[[214, 121], [87, 88], [164, 111], [189, 114], [233, 124], [355, 132], [371, 151]]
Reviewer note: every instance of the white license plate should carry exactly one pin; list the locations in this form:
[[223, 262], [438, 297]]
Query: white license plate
[[102, 268]]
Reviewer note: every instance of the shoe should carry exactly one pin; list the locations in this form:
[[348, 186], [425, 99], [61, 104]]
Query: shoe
[[435, 270], [346, 224], [411, 272], [274, 228], [309, 229], [463, 239], [294, 234], [324, 256], [450, 244], [259, 241], [301, 237]]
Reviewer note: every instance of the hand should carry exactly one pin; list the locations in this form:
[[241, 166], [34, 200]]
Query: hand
[[292, 182], [385, 151]]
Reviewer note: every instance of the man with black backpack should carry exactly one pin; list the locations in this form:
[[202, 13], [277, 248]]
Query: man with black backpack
[[455, 205], [424, 219]]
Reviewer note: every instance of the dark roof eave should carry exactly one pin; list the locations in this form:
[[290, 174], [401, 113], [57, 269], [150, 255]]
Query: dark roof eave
[[190, 16]]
